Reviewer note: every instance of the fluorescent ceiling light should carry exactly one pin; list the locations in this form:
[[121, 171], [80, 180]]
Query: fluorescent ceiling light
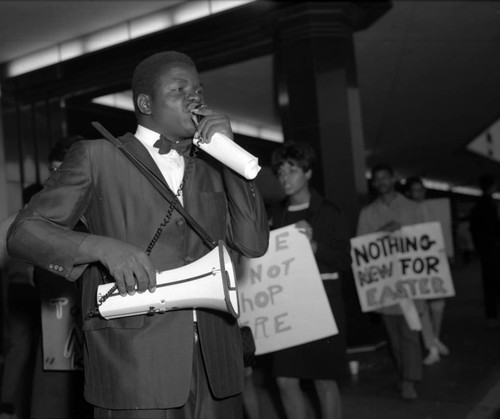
[[181, 12], [189, 11], [107, 38], [122, 100], [466, 190], [33, 61], [217, 6], [438, 185], [150, 24]]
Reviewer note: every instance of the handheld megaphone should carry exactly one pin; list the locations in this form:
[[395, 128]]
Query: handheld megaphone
[[208, 283], [228, 152]]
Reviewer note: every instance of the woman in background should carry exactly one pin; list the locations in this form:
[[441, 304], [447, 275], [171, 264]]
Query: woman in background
[[322, 361]]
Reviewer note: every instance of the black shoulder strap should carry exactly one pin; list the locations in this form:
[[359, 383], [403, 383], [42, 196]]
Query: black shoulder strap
[[158, 184]]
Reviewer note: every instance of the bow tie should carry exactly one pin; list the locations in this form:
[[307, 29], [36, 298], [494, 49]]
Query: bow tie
[[164, 145]]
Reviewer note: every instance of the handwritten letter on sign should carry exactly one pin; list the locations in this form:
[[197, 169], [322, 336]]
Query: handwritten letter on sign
[[281, 294], [409, 263]]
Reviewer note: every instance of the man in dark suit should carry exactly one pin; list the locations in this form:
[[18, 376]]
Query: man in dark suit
[[182, 362]]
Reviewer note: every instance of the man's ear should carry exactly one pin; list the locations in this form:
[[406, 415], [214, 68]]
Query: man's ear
[[144, 104], [309, 174]]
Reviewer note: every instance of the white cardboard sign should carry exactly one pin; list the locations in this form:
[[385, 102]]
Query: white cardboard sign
[[281, 294]]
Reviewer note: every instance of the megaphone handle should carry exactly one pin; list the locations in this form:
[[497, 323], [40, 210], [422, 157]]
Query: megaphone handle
[[95, 310]]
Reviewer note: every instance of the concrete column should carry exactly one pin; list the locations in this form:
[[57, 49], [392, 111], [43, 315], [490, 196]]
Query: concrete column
[[318, 97]]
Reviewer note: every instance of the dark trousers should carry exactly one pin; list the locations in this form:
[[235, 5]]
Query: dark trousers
[[200, 405], [405, 345]]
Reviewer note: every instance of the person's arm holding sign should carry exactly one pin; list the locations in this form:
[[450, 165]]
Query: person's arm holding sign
[[305, 228]]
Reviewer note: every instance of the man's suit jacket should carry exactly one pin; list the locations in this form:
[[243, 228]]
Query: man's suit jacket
[[143, 361]]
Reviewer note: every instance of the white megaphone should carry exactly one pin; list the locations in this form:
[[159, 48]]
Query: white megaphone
[[232, 155], [228, 152], [210, 282]]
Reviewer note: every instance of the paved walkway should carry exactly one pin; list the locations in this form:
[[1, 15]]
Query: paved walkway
[[463, 385]]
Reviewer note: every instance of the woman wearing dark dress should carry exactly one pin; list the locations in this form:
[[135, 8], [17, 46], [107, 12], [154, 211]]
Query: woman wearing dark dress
[[322, 361]]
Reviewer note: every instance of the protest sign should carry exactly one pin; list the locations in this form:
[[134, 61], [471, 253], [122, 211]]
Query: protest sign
[[409, 263], [281, 294], [439, 209], [61, 324]]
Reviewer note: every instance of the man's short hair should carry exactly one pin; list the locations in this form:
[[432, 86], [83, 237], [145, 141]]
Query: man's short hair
[[296, 153], [413, 180], [382, 167], [149, 70]]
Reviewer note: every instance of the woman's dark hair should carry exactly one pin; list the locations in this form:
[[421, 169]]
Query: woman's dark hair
[[382, 167], [296, 153], [413, 180]]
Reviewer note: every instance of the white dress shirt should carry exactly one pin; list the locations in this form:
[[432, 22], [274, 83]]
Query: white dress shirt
[[171, 164]]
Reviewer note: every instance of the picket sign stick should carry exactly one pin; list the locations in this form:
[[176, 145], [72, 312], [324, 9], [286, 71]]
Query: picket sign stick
[[411, 314]]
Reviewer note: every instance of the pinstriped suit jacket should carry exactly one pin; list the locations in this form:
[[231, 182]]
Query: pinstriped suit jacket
[[143, 362]]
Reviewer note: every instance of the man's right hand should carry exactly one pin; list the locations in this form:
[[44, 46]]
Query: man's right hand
[[130, 266]]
